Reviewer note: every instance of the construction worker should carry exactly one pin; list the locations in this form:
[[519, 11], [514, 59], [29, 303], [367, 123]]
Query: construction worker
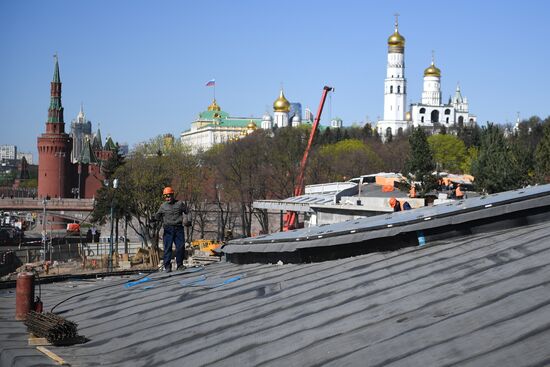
[[412, 191], [459, 194], [396, 205], [171, 214]]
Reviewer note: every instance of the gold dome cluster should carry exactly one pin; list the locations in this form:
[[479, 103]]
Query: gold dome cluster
[[432, 70], [214, 106], [281, 104], [251, 126]]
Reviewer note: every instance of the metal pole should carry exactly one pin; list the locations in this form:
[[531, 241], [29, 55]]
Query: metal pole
[[44, 230], [110, 257], [110, 262], [79, 173]]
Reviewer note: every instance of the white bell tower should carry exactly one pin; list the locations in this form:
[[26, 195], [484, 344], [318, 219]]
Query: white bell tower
[[395, 87]]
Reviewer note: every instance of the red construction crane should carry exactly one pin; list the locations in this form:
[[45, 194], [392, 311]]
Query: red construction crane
[[291, 217]]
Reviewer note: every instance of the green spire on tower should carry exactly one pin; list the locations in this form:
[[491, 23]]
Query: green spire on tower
[[87, 155], [109, 144], [97, 143], [55, 112], [56, 78]]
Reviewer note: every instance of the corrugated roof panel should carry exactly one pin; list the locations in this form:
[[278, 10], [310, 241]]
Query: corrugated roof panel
[[425, 217], [479, 300]]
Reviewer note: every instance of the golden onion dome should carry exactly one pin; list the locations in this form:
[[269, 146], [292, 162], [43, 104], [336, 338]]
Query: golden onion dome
[[408, 116], [281, 104], [396, 39], [432, 70], [251, 125], [214, 106]]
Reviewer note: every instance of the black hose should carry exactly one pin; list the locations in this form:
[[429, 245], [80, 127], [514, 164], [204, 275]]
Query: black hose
[[117, 284]]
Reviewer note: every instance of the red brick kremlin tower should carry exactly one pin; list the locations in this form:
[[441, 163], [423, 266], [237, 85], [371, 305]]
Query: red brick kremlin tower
[[54, 148]]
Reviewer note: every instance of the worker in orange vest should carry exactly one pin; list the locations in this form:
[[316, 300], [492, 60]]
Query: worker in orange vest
[[396, 205], [458, 193], [412, 191]]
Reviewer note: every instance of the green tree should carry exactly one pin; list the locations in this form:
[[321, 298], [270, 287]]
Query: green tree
[[542, 156], [496, 168], [420, 163], [142, 180], [449, 152], [394, 154], [471, 156], [283, 161], [470, 135], [242, 170], [344, 160]]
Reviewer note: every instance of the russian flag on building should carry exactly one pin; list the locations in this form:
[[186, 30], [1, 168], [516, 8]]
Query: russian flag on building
[[211, 83]]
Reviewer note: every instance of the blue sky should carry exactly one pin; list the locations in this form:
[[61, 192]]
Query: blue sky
[[140, 67]]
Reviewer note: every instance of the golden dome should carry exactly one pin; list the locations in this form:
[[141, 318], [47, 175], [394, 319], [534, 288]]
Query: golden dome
[[252, 125], [281, 104], [432, 70], [408, 116], [214, 106], [396, 39]]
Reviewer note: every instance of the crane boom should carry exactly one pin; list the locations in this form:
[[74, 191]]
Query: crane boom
[[290, 218]]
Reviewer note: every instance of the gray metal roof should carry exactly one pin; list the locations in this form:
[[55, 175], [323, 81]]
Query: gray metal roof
[[329, 193], [353, 231], [296, 203], [479, 300]]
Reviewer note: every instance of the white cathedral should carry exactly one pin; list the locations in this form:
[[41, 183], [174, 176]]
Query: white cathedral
[[431, 113]]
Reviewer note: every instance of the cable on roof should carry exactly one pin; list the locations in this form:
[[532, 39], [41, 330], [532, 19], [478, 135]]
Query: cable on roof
[[125, 282]]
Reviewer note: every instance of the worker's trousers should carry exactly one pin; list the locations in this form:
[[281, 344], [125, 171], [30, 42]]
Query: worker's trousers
[[173, 234]]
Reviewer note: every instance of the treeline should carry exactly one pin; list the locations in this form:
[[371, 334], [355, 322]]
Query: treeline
[[224, 181]]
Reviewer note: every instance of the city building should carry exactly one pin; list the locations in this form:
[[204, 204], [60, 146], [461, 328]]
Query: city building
[[336, 123], [81, 130], [8, 152], [215, 126], [28, 157], [430, 113]]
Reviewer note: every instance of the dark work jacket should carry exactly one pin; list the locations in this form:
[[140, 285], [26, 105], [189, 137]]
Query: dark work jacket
[[171, 213], [397, 207]]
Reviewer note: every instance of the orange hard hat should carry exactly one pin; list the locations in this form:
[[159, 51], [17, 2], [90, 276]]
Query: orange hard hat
[[167, 191], [393, 201]]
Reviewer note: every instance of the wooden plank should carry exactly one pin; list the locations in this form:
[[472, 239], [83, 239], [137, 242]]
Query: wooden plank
[[35, 340], [53, 356]]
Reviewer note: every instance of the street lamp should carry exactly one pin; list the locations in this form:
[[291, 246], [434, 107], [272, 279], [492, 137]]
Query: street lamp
[[110, 258], [220, 217], [44, 229], [79, 174]]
